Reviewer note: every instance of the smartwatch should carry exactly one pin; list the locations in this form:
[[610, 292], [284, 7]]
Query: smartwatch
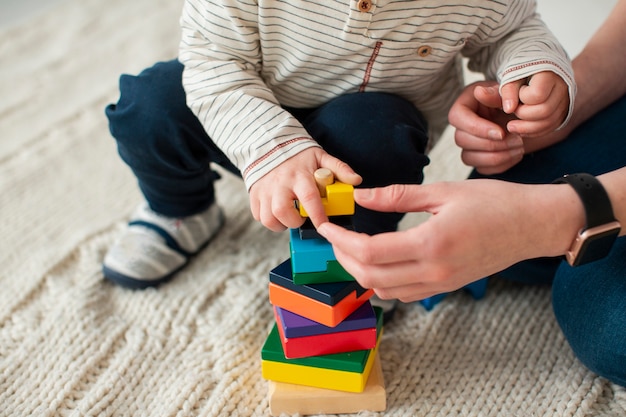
[[595, 240]]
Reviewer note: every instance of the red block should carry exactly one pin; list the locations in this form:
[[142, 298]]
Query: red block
[[326, 344]]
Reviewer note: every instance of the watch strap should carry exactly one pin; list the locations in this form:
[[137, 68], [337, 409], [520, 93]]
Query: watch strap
[[598, 208]]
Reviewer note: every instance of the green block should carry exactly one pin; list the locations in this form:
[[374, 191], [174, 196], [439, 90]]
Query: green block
[[349, 361], [334, 273]]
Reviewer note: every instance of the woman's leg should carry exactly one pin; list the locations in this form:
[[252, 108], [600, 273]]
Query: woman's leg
[[590, 305], [590, 300]]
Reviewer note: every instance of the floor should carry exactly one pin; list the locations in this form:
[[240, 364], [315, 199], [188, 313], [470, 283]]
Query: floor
[[14, 12], [124, 353]]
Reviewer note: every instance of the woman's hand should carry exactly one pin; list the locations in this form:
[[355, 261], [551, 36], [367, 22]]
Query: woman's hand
[[477, 228]]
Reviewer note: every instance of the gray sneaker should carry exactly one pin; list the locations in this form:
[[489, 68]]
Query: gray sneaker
[[154, 247]]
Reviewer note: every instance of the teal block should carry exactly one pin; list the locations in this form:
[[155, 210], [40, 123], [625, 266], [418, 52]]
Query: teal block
[[334, 273], [309, 255]]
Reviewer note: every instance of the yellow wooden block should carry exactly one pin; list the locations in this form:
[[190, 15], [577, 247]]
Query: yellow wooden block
[[292, 399], [339, 200], [311, 376]]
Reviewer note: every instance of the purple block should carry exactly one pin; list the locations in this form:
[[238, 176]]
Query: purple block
[[295, 325]]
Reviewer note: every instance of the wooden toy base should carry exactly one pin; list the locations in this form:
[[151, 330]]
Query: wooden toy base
[[292, 399]]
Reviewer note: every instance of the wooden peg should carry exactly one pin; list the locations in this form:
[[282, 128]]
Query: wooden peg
[[323, 177]]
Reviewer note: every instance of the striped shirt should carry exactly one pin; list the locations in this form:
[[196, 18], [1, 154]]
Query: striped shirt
[[244, 59]]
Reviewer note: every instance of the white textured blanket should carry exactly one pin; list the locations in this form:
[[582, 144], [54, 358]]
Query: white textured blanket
[[71, 344]]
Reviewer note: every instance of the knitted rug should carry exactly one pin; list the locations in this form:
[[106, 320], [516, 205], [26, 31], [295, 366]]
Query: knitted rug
[[72, 344]]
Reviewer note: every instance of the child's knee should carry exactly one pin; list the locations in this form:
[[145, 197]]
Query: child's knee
[[149, 103], [382, 136], [370, 113]]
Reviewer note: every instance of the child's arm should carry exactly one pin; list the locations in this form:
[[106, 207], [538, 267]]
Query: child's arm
[[534, 72], [220, 48]]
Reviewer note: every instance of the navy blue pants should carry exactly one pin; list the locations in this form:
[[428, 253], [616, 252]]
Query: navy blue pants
[[383, 137]]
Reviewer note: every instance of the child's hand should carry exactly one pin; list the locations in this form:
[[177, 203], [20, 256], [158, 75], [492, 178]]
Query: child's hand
[[540, 102], [491, 129], [272, 197]]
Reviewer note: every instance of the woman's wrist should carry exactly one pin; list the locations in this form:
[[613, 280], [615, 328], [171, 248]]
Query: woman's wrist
[[615, 185], [559, 215]]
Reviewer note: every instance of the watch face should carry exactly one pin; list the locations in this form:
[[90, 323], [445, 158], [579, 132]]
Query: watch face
[[593, 244]]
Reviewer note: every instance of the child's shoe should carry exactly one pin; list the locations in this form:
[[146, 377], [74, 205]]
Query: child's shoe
[[154, 247]]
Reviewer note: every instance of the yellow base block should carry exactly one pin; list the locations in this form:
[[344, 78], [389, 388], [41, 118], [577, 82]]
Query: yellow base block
[[325, 378], [292, 399]]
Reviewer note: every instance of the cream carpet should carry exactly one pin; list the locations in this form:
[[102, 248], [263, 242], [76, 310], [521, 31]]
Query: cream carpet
[[72, 345]]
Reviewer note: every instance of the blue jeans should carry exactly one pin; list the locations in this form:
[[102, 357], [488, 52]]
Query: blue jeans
[[381, 136], [589, 301]]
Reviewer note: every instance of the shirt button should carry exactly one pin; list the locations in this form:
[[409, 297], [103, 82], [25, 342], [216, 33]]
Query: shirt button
[[424, 51], [364, 5]]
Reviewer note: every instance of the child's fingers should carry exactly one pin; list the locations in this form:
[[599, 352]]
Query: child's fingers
[[341, 170], [540, 87], [540, 119], [308, 195], [543, 105], [510, 95], [554, 109]]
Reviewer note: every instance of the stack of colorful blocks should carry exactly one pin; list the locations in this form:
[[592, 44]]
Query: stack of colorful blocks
[[322, 353]]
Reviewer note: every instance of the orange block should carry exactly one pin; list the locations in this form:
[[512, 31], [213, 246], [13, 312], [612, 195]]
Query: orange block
[[315, 310]]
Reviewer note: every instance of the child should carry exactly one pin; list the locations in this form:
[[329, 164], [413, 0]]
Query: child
[[278, 89]]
